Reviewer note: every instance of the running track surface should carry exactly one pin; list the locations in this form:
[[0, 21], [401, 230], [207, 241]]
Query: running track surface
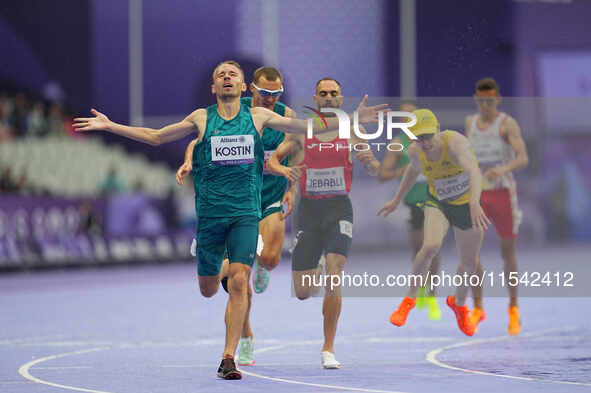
[[146, 329]]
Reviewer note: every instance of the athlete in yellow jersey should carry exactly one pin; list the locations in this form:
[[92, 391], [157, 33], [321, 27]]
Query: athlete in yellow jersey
[[455, 183]]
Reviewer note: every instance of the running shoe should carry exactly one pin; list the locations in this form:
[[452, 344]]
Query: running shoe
[[462, 316], [514, 321], [329, 361], [246, 351], [260, 280], [227, 369], [478, 315], [398, 317]]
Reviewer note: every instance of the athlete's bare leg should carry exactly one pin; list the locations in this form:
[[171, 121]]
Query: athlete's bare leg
[[415, 238], [331, 308], [435, 229], [468, 243], [237, 305], [272, 230], [304, 280], [510, 265]]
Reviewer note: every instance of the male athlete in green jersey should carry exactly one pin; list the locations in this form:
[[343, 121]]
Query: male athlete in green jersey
[[228, 183]]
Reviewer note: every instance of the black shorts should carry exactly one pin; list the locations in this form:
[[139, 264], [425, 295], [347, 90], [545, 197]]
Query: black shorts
[[324, 226]]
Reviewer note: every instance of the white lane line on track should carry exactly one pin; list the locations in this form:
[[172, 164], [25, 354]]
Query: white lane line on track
[[291, 381], [26, 339], [24, 370], [432, 356], [317, 385]]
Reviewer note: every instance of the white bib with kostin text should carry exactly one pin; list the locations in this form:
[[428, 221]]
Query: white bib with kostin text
[[232, 150]]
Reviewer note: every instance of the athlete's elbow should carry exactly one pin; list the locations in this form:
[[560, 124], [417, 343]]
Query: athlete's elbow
[[155, 140]]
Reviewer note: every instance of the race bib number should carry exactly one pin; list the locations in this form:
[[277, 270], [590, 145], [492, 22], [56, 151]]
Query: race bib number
[[451, 188], [346, 228], [268, 154], [486, 152], [232, 150], [327, 181]]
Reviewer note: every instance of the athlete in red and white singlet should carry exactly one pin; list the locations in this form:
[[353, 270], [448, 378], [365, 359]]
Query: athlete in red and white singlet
[[500, 149], [324, 218]]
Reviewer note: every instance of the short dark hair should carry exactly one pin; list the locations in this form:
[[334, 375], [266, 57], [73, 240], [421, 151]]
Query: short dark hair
[[270, 73], [487, 84], [328, 79], [232, 62]]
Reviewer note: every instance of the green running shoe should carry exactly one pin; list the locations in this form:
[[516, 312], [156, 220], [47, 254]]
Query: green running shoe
[[246, 351], [260, 279]]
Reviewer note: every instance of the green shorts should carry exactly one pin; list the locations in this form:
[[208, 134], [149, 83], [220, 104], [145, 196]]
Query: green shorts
[[270, 208], [238, 235], [417, 216], [457, 215]]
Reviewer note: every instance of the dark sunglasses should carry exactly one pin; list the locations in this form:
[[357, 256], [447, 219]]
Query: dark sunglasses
[[268, 93]]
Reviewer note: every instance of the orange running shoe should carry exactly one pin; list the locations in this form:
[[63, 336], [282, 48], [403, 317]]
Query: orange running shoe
[[478, 315], [398, 317], [514, 322], [462, 316]]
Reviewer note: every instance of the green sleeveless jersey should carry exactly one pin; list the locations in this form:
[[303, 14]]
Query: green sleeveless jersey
[[273, 186], [228, 162], [418, 193]]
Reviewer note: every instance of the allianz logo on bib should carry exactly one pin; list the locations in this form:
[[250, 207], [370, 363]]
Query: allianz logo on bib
[[226, 139]]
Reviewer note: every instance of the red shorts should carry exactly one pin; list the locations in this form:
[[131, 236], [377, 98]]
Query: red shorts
[[500, 206]]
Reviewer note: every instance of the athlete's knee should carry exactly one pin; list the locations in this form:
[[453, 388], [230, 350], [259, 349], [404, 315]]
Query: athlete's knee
[[208, 290], [303, 293], [335, 265], [304, 285], [238, 281], [269, 258], [431, 249]]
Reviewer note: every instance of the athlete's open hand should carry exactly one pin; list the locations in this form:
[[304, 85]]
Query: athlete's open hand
[[292, 173], [99, 122], [388, 208], [183, 171], [480, 221], [370, 114]]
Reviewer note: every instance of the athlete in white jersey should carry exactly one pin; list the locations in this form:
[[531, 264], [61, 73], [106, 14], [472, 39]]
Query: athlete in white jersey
[[499, 148]]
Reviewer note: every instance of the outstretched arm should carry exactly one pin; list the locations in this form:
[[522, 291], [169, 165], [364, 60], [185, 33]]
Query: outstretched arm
[[150, 136], [267, 118]]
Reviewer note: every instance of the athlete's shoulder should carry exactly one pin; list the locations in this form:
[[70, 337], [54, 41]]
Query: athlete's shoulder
[[198, 115], [246, 100], [508, 122], [455, 137]]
